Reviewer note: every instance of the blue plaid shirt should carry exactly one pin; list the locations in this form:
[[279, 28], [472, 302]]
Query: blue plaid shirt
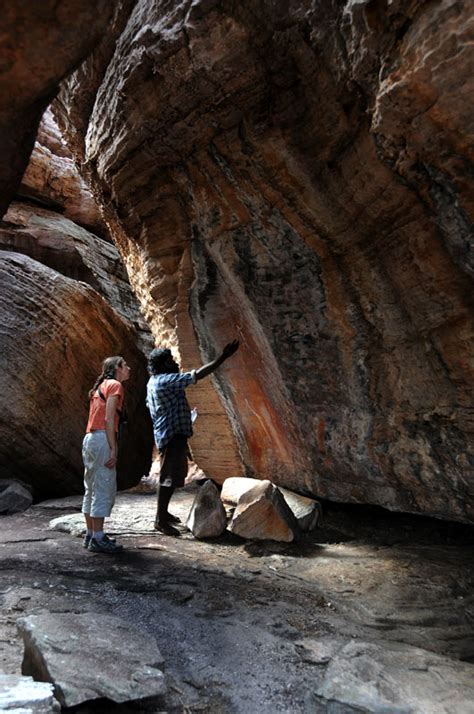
[[169, 408]]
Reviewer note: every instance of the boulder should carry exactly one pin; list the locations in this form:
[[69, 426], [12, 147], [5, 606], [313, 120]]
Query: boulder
[[59, 243], [25, 696], [394, 677], [91, 656], [14, 496], [307, 511], [263, 514], [207, 517], [54, 337]]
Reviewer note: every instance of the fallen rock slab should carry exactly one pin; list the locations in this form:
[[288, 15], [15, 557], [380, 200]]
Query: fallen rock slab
[[14, 496], [397, 678], [307, 511], [207, 517], [263, 514], [91, 656], [23, 694]]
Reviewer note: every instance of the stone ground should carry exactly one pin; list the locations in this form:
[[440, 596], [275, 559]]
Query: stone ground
[[333, 624]]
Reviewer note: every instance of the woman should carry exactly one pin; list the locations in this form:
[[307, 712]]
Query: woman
[[99, 452]]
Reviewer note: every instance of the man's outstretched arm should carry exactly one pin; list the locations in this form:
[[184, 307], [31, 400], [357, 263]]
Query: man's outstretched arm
[[227, 352]]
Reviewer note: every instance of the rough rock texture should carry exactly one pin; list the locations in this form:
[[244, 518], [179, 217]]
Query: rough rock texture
[[55, 647], [25, 696], [397, 678], [297, 175], [74, 252], [262, 514], [52, 179], [54, 336], [207, 517], [41, 44]]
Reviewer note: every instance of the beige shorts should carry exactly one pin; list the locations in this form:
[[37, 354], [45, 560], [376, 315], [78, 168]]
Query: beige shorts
[[100, 483]]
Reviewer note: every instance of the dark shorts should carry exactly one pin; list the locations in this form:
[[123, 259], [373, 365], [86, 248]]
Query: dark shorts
[[174, 462]]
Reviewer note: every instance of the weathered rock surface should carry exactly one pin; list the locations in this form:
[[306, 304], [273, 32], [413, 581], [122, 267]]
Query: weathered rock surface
[[207, 517], [234, 488], [14, 496], [52, 179], [262, 514], [307, 511], [42, 43], [23, 695], [297, 176], [54, 336], [123, 663], [397, 678], [55, 241]]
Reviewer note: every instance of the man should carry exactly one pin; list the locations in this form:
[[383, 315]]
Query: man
[[172, 425]]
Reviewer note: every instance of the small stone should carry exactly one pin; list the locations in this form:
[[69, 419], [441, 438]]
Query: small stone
[[307, 511], [262, 514], [14, 496], [207, 518], [23, 694]]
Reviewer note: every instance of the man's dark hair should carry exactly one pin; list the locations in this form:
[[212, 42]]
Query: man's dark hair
[[157, 360]]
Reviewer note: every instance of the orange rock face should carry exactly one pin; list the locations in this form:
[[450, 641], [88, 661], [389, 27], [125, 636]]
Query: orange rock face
[[52, 179], [298, 176]]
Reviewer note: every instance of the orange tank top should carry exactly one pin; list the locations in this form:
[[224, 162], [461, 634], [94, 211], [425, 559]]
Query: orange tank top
[[109, 388]]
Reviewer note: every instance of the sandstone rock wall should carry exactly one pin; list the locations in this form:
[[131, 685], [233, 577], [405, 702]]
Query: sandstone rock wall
[[54, 336], [297, 175], [67, 306]]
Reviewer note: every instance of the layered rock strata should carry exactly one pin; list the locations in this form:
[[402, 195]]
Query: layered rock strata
[[54, 337], [52, 179], [297, 175]]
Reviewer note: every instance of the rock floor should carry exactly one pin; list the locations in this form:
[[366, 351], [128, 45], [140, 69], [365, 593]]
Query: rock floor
[[371, 612]]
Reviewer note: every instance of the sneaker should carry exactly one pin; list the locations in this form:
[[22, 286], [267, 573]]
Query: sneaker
[[105, 545], [88, 538], [166, 529]]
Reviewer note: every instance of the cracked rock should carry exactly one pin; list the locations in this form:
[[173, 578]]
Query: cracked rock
[[91, 656], [263, 514]]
